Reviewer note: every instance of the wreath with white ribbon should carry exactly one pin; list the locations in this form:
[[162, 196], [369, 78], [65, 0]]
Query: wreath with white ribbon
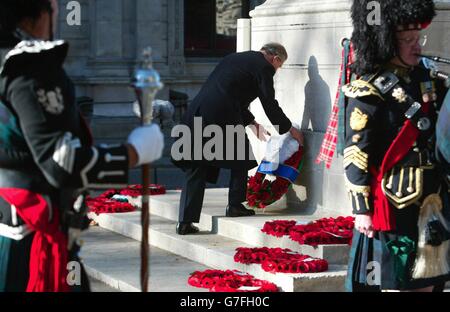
[[278, 170]]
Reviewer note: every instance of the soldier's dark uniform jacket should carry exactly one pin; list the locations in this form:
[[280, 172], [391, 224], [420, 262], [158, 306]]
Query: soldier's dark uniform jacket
[[375, 114], [45, 146], [373, 121]]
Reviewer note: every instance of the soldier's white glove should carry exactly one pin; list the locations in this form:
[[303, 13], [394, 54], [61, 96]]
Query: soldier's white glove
[[148, 142]]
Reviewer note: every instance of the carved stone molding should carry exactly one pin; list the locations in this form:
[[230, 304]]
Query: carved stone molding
[[288, 7], [176, 37]]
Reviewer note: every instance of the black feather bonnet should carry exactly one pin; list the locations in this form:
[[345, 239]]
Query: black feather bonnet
[[373, 39]]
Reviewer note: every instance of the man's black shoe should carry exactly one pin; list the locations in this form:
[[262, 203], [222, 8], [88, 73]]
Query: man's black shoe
[[239, 211], [186, 228]]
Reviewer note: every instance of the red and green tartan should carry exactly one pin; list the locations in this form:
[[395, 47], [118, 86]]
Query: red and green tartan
[[335, 135]]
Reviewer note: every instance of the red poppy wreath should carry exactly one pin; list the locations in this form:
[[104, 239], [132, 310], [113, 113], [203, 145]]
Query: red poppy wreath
[[320, 232], [106, 204], [278, 260], [229, 281], [283, 162], [278, 228], [116, 201], [324, 231], [136, 190]]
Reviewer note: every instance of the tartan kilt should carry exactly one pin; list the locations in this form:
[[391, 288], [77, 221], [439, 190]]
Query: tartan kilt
[[366, 252]]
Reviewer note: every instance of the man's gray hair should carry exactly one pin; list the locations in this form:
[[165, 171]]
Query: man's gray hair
[[276, 49]]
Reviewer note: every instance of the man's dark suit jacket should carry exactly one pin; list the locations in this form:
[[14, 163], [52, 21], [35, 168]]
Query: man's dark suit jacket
[[235, 83], [224, 99]]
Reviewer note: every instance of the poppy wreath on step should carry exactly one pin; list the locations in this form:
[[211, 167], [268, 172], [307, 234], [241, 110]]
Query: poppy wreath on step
[[262, 192], [115, 201], [106, 204], [324, 231], [229, 281], [278, 228], [136, 190], [278, 260]]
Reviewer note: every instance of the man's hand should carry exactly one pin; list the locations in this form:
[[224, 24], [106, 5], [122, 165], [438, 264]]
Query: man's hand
[[363, 224], [260, 132], [297, 135]]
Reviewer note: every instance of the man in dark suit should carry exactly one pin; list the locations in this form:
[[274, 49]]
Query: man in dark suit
[[224, 101]]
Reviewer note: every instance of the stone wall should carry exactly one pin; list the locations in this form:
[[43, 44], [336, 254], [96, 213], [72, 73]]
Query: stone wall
[[306, 85]]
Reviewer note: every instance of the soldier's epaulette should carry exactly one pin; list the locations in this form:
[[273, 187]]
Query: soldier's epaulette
[[361, 88]]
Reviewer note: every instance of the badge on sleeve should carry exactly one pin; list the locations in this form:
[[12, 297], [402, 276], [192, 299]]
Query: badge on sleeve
[[52, 101], [356, 138], [400, 95], [358, 120]]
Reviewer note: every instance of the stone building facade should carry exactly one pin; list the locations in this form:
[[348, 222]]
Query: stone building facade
[[107, 44], [188, 38]]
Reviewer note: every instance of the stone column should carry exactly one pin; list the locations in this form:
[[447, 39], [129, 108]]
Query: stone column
[[244, 34], [176, 57], [311, 31], [108, 22], [107, 76], [77, 35]]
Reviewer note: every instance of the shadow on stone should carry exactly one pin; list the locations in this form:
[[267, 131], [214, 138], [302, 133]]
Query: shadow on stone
[[317, 100], [307, 196]]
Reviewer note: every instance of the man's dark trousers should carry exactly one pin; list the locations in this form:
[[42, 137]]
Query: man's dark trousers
[[194, 190]]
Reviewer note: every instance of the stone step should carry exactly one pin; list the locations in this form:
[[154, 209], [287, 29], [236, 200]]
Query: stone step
[[114, 260], [99, 286], [216, 251], [246, 229]]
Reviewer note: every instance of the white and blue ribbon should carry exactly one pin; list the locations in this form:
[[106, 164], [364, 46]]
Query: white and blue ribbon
[[286, 172]]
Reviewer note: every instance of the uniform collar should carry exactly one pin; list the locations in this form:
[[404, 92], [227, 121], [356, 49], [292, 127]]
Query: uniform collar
[[31, 53]]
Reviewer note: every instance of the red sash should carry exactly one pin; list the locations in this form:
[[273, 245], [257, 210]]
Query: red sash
[[383, 216], [49, 255]]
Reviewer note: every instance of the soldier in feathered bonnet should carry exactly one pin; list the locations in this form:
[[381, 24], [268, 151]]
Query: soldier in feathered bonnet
[[47, 157], [398, 196]]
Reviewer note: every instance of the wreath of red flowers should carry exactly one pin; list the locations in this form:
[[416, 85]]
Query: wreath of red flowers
[[105, 203], [278, 260], [278, 228], [229, 281], [324, 231], [262, 193], [320, 232], [136, 190]]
